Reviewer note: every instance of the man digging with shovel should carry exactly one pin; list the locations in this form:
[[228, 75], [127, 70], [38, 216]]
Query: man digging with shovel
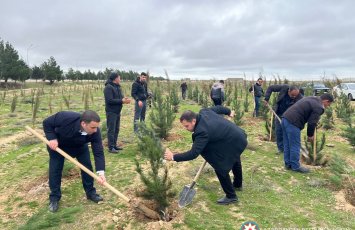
[[220, 142], [71, 132]]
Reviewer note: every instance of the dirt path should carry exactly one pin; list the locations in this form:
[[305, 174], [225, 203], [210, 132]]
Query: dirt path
[[7, 142]]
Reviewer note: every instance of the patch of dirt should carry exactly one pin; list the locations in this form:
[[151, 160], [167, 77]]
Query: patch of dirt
[[7, 142], [173, 137], [350, 196], [342, 203]]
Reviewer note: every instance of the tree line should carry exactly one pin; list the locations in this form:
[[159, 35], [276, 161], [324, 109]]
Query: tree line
[[12, 67]]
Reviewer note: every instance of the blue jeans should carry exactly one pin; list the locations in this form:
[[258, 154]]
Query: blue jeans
[[292, 144], [257, 106], [139, 114], [279, 135]]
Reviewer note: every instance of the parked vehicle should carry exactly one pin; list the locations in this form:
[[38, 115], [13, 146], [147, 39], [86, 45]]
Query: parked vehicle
[[315, 89], [347, 88]]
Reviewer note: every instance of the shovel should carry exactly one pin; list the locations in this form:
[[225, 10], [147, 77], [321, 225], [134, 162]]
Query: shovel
[[188, 193], [144, 209], [303, 150]]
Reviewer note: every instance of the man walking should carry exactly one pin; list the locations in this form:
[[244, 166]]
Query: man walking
[[114, 101], [71, 132], [307, 110], [139, 93], [217, 93], [183, 87], [288, 95], [258, 93], [220, 142]]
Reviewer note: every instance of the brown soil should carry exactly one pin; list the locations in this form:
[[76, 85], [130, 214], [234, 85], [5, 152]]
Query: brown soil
[[173, 137], [342, 202], [350, 196], [7, 142]]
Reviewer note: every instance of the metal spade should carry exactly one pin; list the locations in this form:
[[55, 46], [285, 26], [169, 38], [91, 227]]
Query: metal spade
[[188, 192]]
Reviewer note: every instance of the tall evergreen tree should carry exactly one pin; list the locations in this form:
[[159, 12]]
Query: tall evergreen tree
[[156, 181], [162, 115], [37, 73], [51, 70]]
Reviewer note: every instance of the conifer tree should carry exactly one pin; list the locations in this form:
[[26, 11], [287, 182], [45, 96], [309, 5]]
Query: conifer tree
[[343, 108], [246, 101], [321, 159], [174, 98], [237, 107], [327, 120], [157, 184], [349, 133], [162, 115]]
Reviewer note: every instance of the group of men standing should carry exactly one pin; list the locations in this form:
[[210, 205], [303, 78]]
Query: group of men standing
[[219, 141]]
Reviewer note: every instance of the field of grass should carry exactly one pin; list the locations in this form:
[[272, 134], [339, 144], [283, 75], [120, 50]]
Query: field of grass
[[272, 197]]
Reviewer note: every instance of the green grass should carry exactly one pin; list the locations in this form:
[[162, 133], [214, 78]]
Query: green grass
[[272, 196]]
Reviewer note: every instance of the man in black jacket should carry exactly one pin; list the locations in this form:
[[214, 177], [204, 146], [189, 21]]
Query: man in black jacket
[[220, 142], [307, 110], [71, 132], [183, 87], [114, 100], [258, 93], [288, 95], [139, 93]]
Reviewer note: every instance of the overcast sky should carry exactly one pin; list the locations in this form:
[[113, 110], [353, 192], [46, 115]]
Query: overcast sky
[[202, 39]]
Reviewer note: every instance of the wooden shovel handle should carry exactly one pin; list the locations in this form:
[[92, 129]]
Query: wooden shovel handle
[[199, 171], [271, 109], [82, 167]]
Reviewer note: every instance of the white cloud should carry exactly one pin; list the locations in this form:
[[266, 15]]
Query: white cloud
[[197, 38]]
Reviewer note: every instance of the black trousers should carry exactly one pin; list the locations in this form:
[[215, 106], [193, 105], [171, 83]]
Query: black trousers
[[225, 180], [113, 128], [217, 101], [56, 163]]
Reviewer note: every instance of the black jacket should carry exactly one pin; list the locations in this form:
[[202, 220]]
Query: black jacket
[[64, 126], [218, 140], [139, 90], [258, 90], [113, 97], [183, 86], [283, 92], [307, 110]]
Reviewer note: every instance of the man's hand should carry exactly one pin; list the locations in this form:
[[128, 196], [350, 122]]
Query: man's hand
[[101, 179], [232, 113], [266, 102], [126, 100], [168, 155], [310, 139], [140, 104], [53, 144]]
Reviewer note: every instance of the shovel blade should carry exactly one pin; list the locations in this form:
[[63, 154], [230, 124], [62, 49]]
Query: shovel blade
[[186, 196]]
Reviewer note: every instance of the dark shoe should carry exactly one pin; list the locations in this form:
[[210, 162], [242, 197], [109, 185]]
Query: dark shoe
[[94, 197], [288, 167], [53, 206], [302, 169], [118, 148], [225, 200], [113, 150]]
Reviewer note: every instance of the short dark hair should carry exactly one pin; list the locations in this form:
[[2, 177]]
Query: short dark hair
[[89, 116], [327, 97], [113, 76], [293, 87], [144, 74], [221, 81], [188, 116], [260, 79]]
